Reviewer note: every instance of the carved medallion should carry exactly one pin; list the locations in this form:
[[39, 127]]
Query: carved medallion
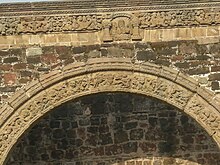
[[121, 27]]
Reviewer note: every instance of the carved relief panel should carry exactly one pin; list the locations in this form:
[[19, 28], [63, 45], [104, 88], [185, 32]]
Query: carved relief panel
[[115, 26], [120, 27]]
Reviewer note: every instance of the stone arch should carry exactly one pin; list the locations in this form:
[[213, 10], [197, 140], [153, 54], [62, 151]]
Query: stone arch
[[106, 75]]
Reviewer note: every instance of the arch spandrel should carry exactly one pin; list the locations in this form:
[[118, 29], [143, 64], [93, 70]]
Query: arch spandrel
[[106, 76]]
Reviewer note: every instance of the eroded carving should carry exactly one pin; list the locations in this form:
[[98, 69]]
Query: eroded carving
[[109, 80], [179, 95], [121, 26], [117, 26], [204, 113], [9, 26]]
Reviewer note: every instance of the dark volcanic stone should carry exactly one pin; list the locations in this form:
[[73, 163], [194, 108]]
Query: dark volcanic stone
[[120, 136]]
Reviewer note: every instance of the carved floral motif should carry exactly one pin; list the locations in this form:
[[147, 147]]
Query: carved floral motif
[[110, 80], [9, 26], [204, 113], [117, 26]]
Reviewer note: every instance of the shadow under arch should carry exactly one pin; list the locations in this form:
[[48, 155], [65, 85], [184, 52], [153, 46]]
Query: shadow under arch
[[120, 129], [106, 75]]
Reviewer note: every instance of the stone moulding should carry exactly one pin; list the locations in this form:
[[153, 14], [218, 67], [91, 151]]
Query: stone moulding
[[88, 6], [38, 98]]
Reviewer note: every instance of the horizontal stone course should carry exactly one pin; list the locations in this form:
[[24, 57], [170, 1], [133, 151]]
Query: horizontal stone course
[[202, 34]]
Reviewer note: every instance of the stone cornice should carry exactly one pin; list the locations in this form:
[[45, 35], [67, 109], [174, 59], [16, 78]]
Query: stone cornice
[[88, 6]]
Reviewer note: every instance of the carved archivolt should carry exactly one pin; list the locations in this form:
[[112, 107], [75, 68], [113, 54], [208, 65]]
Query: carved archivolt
[[75, 82], [117, 26]]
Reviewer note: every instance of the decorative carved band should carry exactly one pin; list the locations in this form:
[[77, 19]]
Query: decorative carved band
[[93, 6], [115, 26], [106, 81]]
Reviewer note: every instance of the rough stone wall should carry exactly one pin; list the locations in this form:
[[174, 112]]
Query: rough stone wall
[[19, 66], [115, 128]]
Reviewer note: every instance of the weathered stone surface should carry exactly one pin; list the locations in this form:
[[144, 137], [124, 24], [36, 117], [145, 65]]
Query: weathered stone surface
[[43, 45], [10, 60], [146, 55], [187, 56], [120, 136], [136, 134], [214, 76], [34, 51], [161, 133]]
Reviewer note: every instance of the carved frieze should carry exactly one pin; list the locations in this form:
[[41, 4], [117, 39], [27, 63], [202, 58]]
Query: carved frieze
[[115, 26], [9, 26], [47, 24], [204, 113]]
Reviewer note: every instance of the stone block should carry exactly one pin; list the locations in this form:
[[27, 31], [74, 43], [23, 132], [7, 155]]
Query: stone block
[[146, 36], [215, 85], [156, 35], [83, 37], [136, 134], [74, 37], [130, 147], [93, 38], [49, 58], [214, 76], [34, 51], [168, 34], [198, 32], [36, 39], [22, 39], [208, 40], [5, 67], [5, 52], [184, 33], [79, 49], [10, 60], [50, 78], [10, 78], [34, 60], [215, 68], [7, 40], [146, 55], [212, 31], [50, 38], [202, 80], [18, 99], [196, 71], [64, 38], [5, 111], [120, 137]]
